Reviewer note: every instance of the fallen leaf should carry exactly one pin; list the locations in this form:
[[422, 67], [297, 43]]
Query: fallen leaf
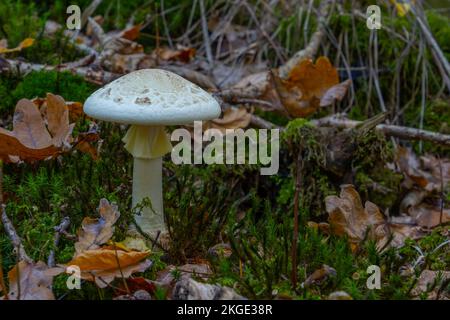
[[309, 86], [182, 54], [75, 110], [95, 232], [106, 259], [429, 283], [29, 140], [402, 7], [319, 275], [336, 92], [429, 216], [31, 281], [131, 33], [347, 216], [424, 172], [232, 118], [28, 42], [58, 120], [87, 148], [102, 266], [41, 130]]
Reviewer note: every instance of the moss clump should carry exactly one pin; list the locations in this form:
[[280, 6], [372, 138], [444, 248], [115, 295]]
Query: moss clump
[[19, 20], [65, 84], [38, 84], [374, 181]]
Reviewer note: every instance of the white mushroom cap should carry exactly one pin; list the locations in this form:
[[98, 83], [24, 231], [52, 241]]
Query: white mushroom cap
[[151, 97]]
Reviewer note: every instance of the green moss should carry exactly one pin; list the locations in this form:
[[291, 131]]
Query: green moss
[[38, 84], [19, 20]]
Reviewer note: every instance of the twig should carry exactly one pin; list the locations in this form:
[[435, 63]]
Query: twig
[[296, 205], [438, 54], [120, 268], [261, 123], [62, 227], [20, 68], [12, 234], [340, 121], [206, 39]]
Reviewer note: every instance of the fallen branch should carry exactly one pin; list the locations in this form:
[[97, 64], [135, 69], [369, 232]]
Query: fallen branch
[[21, 68], [407, 133], [60, 229], [12, 234]]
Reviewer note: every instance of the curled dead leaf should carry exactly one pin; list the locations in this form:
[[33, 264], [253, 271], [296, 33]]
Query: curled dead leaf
[[102, 266], [232, 118], [95, 232], [427, 172], [41, 130], [31, 281], [182, 54], [309, 86], [347, 216]]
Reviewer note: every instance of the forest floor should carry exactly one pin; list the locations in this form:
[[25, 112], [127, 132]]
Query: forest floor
[[359, 206]]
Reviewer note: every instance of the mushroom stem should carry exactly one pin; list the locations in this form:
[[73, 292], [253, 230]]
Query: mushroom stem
[[147, 183], [148, 144]]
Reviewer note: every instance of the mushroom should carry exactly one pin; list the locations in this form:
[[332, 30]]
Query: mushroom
[[148, 100]]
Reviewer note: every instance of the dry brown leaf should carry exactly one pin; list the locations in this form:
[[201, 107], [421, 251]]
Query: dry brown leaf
[[87, 148], [232, 118], [131, 33], [75, 110], [29, 140], [29, 127], [104, 265], [347, 216], [12, 150], [319, 276], [95, 232], [58, 120], [309, 86], [336, 92], [41, 130], [106, 259], [182, 54], [429, 216], [430, 282], [28, 42], [35, 281], [428, 172]]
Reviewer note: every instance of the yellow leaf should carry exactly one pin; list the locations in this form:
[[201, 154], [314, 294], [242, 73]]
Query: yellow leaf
[[28, 42], [106, 259], [403, 7]]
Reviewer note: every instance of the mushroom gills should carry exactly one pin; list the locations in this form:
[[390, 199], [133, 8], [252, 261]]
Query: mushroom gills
[[147, 142]]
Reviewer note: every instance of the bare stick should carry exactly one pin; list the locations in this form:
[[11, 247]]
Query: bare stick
[[206, 39], [21, 68], [12, 234], [407, 133], [61, 228], [296, 205]]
